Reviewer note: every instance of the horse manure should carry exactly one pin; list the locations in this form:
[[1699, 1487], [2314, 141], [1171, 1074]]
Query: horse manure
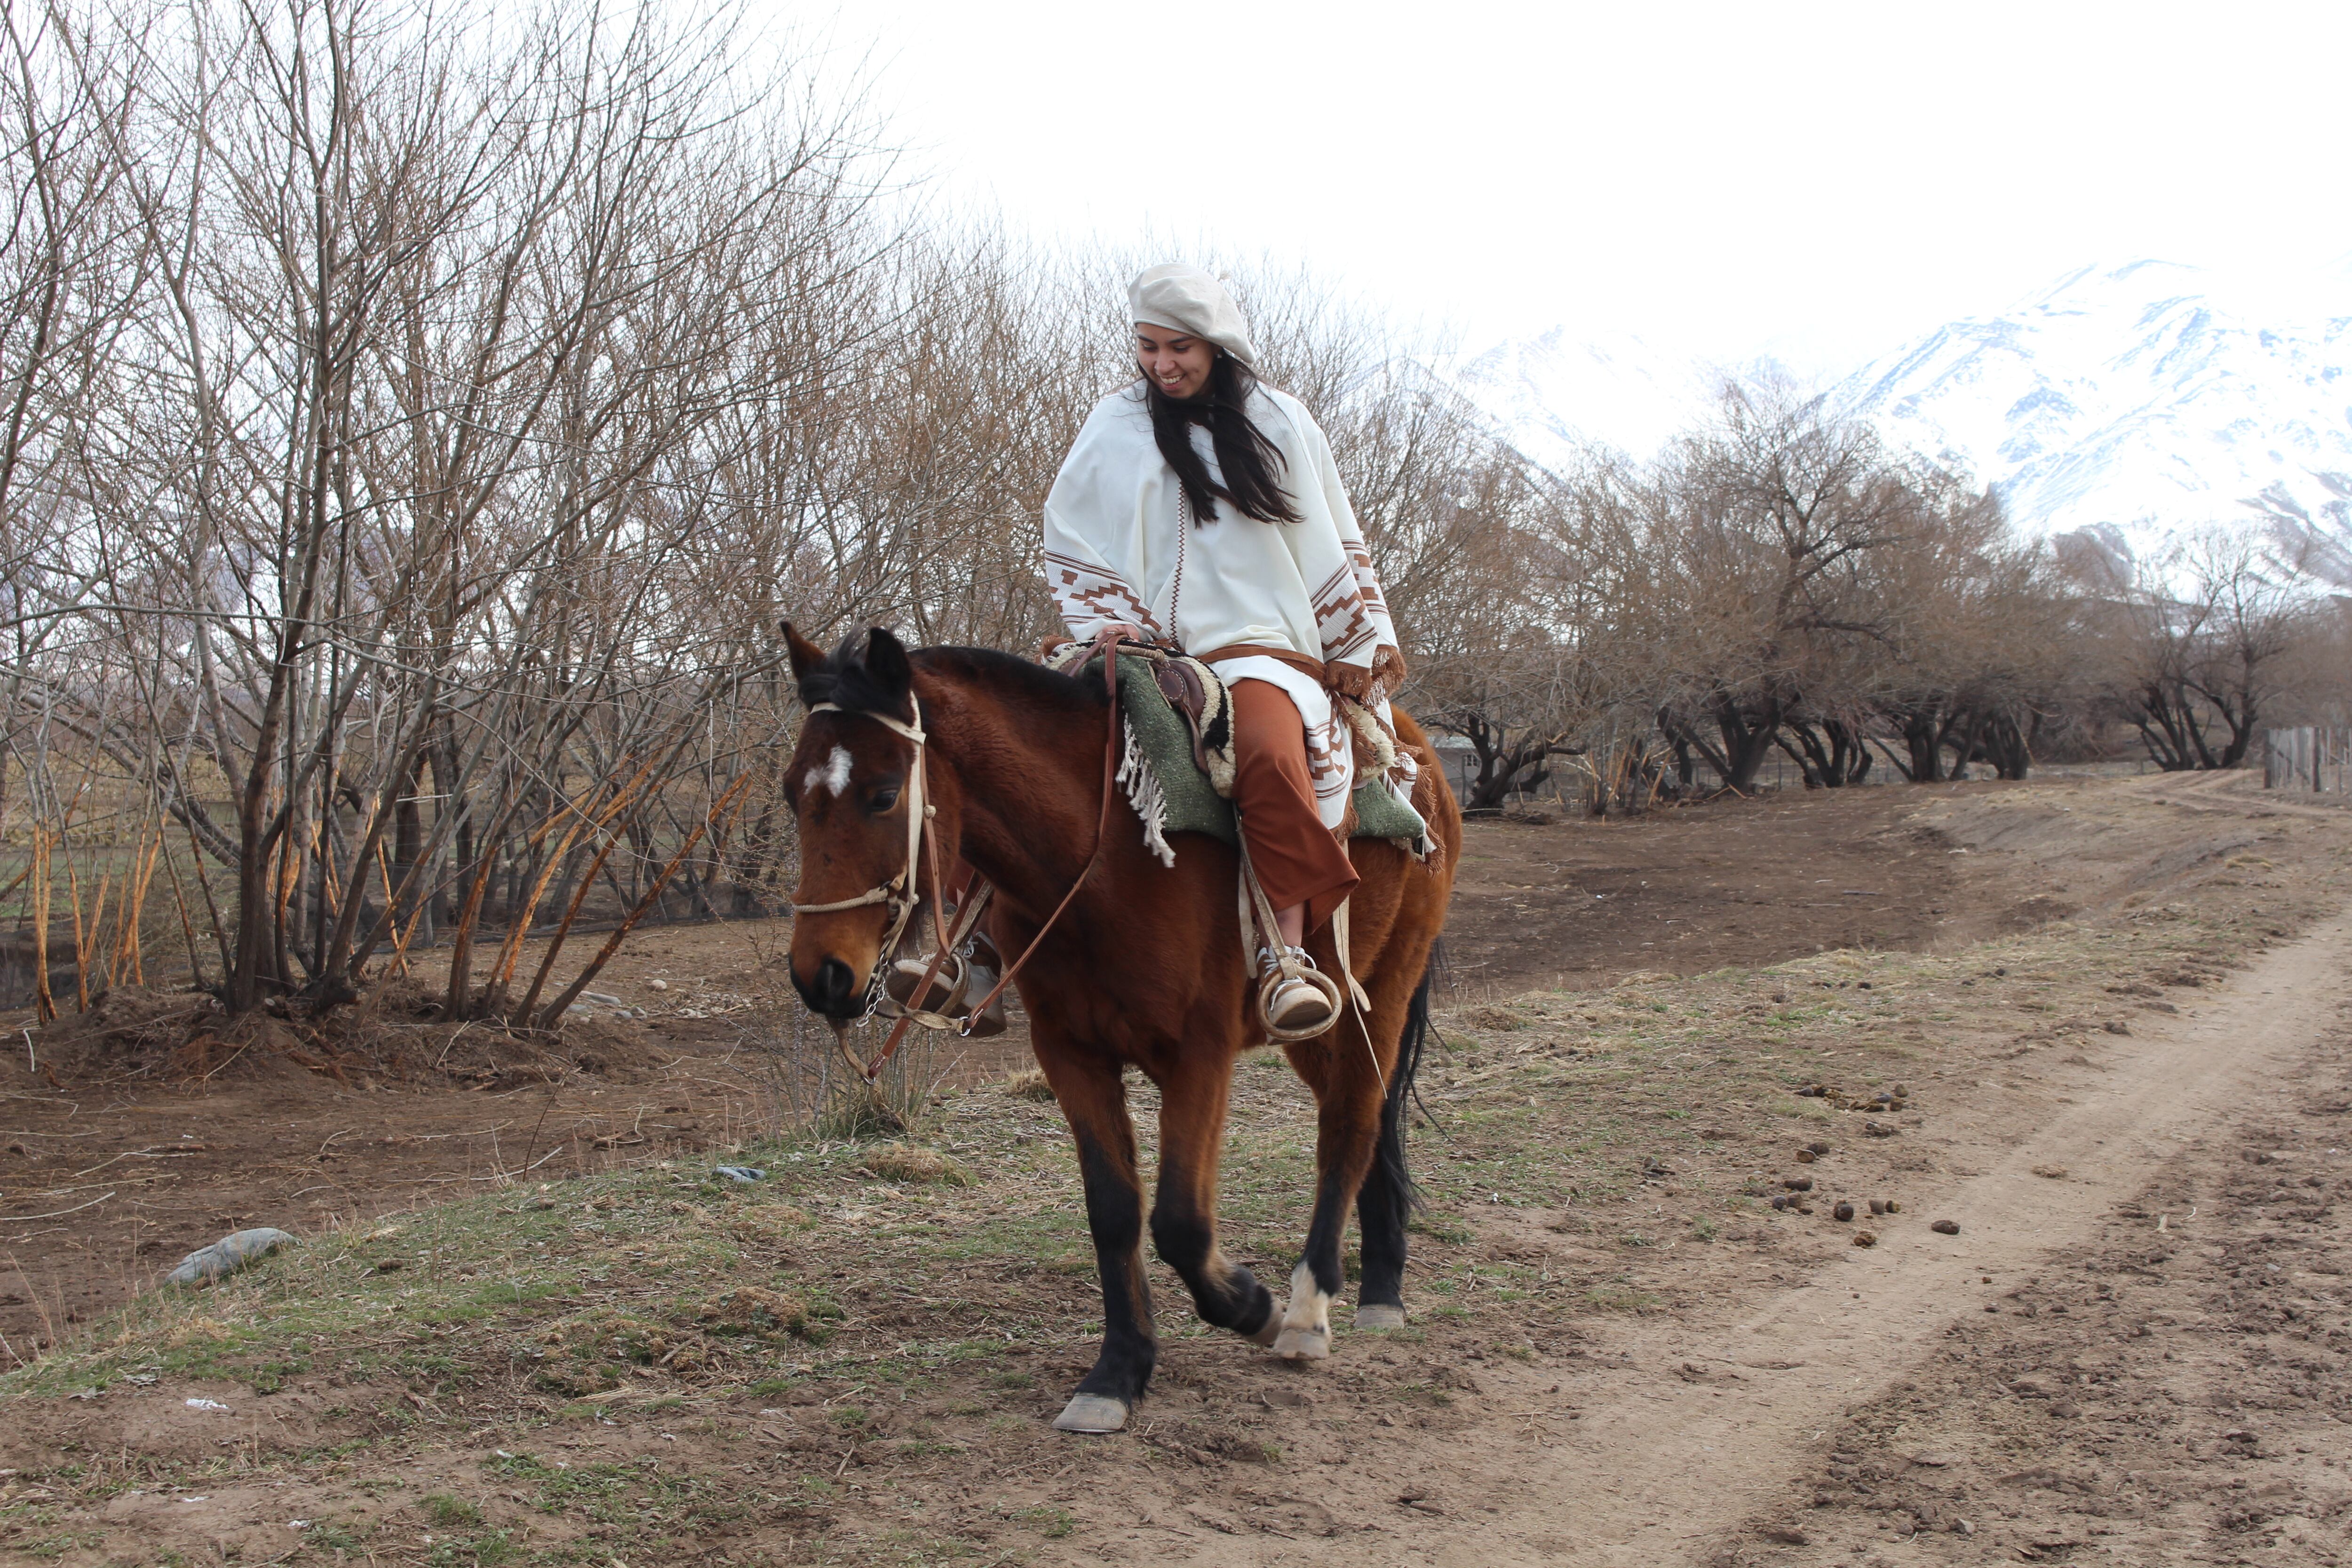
[[1893, 1206], [1843, 1212], [1804, 1207], [1946, 1227], [1878, 1205], [1864, 1239], [1798, 1183], [1805, 1156], [1878, 1130], [1781, 1202], [1820, 1146]]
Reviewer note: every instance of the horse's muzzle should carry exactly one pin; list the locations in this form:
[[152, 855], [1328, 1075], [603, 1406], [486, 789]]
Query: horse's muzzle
[[834, 993]]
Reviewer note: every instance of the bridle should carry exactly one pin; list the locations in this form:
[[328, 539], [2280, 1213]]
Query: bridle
[[901, 894]]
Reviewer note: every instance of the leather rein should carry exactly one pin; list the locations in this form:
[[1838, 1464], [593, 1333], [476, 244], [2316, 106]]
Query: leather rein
[[902, 893]]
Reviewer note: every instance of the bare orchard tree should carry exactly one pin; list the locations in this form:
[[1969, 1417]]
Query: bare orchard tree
[[1977, 643], [1455, 519], [2197, 647], [405, 468], [1762, 527], [73, 258]]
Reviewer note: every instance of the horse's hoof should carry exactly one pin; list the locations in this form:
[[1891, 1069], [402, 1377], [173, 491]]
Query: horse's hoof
[[1269, 1331], [1091, 1413], [1303, 1344], [1375, 1315]]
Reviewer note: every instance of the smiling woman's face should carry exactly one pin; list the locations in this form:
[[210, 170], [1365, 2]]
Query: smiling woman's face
[[1176, 363]]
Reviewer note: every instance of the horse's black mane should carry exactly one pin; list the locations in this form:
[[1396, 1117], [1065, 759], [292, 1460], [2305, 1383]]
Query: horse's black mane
[[857, 683], [1027, 676]]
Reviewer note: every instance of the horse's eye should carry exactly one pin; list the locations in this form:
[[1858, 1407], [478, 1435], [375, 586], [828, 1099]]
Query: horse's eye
[[886, 797]]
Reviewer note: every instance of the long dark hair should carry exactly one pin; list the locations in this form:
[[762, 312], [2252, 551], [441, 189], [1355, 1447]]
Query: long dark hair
[[1246, 460]]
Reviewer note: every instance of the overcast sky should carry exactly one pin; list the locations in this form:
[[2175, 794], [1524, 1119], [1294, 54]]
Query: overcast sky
[[1812, 181]]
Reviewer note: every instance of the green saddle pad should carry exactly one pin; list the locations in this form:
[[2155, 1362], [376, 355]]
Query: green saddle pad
[[1191, 804]]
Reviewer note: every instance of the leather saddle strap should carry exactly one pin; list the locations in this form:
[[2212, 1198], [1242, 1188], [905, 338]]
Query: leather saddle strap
[[1257, 910]]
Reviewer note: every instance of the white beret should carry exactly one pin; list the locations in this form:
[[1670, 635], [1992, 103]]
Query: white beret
[[1187, 300]]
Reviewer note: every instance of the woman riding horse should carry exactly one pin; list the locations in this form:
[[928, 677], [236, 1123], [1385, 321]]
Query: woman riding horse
[[1199, 509]]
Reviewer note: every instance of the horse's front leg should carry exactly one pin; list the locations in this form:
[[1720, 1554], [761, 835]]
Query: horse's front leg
[[1094, 1100], [1192, 1100]]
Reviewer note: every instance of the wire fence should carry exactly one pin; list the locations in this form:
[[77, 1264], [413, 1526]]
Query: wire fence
[[2314, 757]]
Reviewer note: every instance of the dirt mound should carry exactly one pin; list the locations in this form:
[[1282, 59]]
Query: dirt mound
[[394, 1034], [397, 1031], [129, 1031]]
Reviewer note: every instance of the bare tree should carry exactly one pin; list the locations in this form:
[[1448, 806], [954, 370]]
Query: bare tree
[[2198, 646]]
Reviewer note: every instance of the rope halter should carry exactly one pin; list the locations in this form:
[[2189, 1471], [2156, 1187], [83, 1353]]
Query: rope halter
[[901, 893]]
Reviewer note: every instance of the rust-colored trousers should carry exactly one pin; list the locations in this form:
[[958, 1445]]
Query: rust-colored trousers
[[1298, 861]]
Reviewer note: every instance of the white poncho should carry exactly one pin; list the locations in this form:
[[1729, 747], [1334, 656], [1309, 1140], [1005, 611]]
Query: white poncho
[[1120, 548]]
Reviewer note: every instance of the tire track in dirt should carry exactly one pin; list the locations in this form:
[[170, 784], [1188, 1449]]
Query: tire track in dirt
[[2167, 1394], [1664, 1451], [2228, 792]]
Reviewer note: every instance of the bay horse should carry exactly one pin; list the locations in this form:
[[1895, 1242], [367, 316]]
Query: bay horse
[[1145, 968]]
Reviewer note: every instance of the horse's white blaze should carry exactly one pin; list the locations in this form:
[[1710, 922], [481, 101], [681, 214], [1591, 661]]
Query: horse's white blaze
[[836, 776]]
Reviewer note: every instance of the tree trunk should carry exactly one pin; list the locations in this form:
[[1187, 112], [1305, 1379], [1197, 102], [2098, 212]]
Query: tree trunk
[[1923, 737]]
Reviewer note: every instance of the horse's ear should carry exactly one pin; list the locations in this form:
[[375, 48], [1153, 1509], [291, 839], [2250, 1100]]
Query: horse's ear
[[806, 655], [886, 665]]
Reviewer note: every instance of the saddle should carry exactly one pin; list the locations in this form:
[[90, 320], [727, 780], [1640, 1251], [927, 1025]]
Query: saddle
[[1199, 696], [1178, 768]]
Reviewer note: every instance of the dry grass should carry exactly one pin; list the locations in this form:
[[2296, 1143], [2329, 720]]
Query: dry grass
[[914, 1162], [1027, 1083]]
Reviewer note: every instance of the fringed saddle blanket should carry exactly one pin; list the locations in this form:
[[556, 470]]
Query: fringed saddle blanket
[[1179, 773]]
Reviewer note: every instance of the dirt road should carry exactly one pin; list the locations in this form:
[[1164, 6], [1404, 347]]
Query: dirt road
[[2046, 1377]]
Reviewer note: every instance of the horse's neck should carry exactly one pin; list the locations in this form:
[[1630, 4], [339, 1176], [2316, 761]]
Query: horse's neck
[[1029, 776]]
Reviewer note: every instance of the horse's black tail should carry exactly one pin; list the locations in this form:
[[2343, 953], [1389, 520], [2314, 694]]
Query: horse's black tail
[[1389, 1167], [1386, 1202]]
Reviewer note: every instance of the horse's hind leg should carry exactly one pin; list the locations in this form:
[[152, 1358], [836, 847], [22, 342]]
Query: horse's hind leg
[[1094, 1100], [1348, 1098], [1359, 1113], [1184, 1216]]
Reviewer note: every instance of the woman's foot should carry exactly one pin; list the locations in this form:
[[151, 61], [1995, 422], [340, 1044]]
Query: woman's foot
[[1296, 1005], [982, 964], [904, 984], [960, 981]]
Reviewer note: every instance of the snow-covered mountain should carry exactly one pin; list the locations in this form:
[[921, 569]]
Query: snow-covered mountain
[[2137, 402], [2120, 405], [1556, 393]]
